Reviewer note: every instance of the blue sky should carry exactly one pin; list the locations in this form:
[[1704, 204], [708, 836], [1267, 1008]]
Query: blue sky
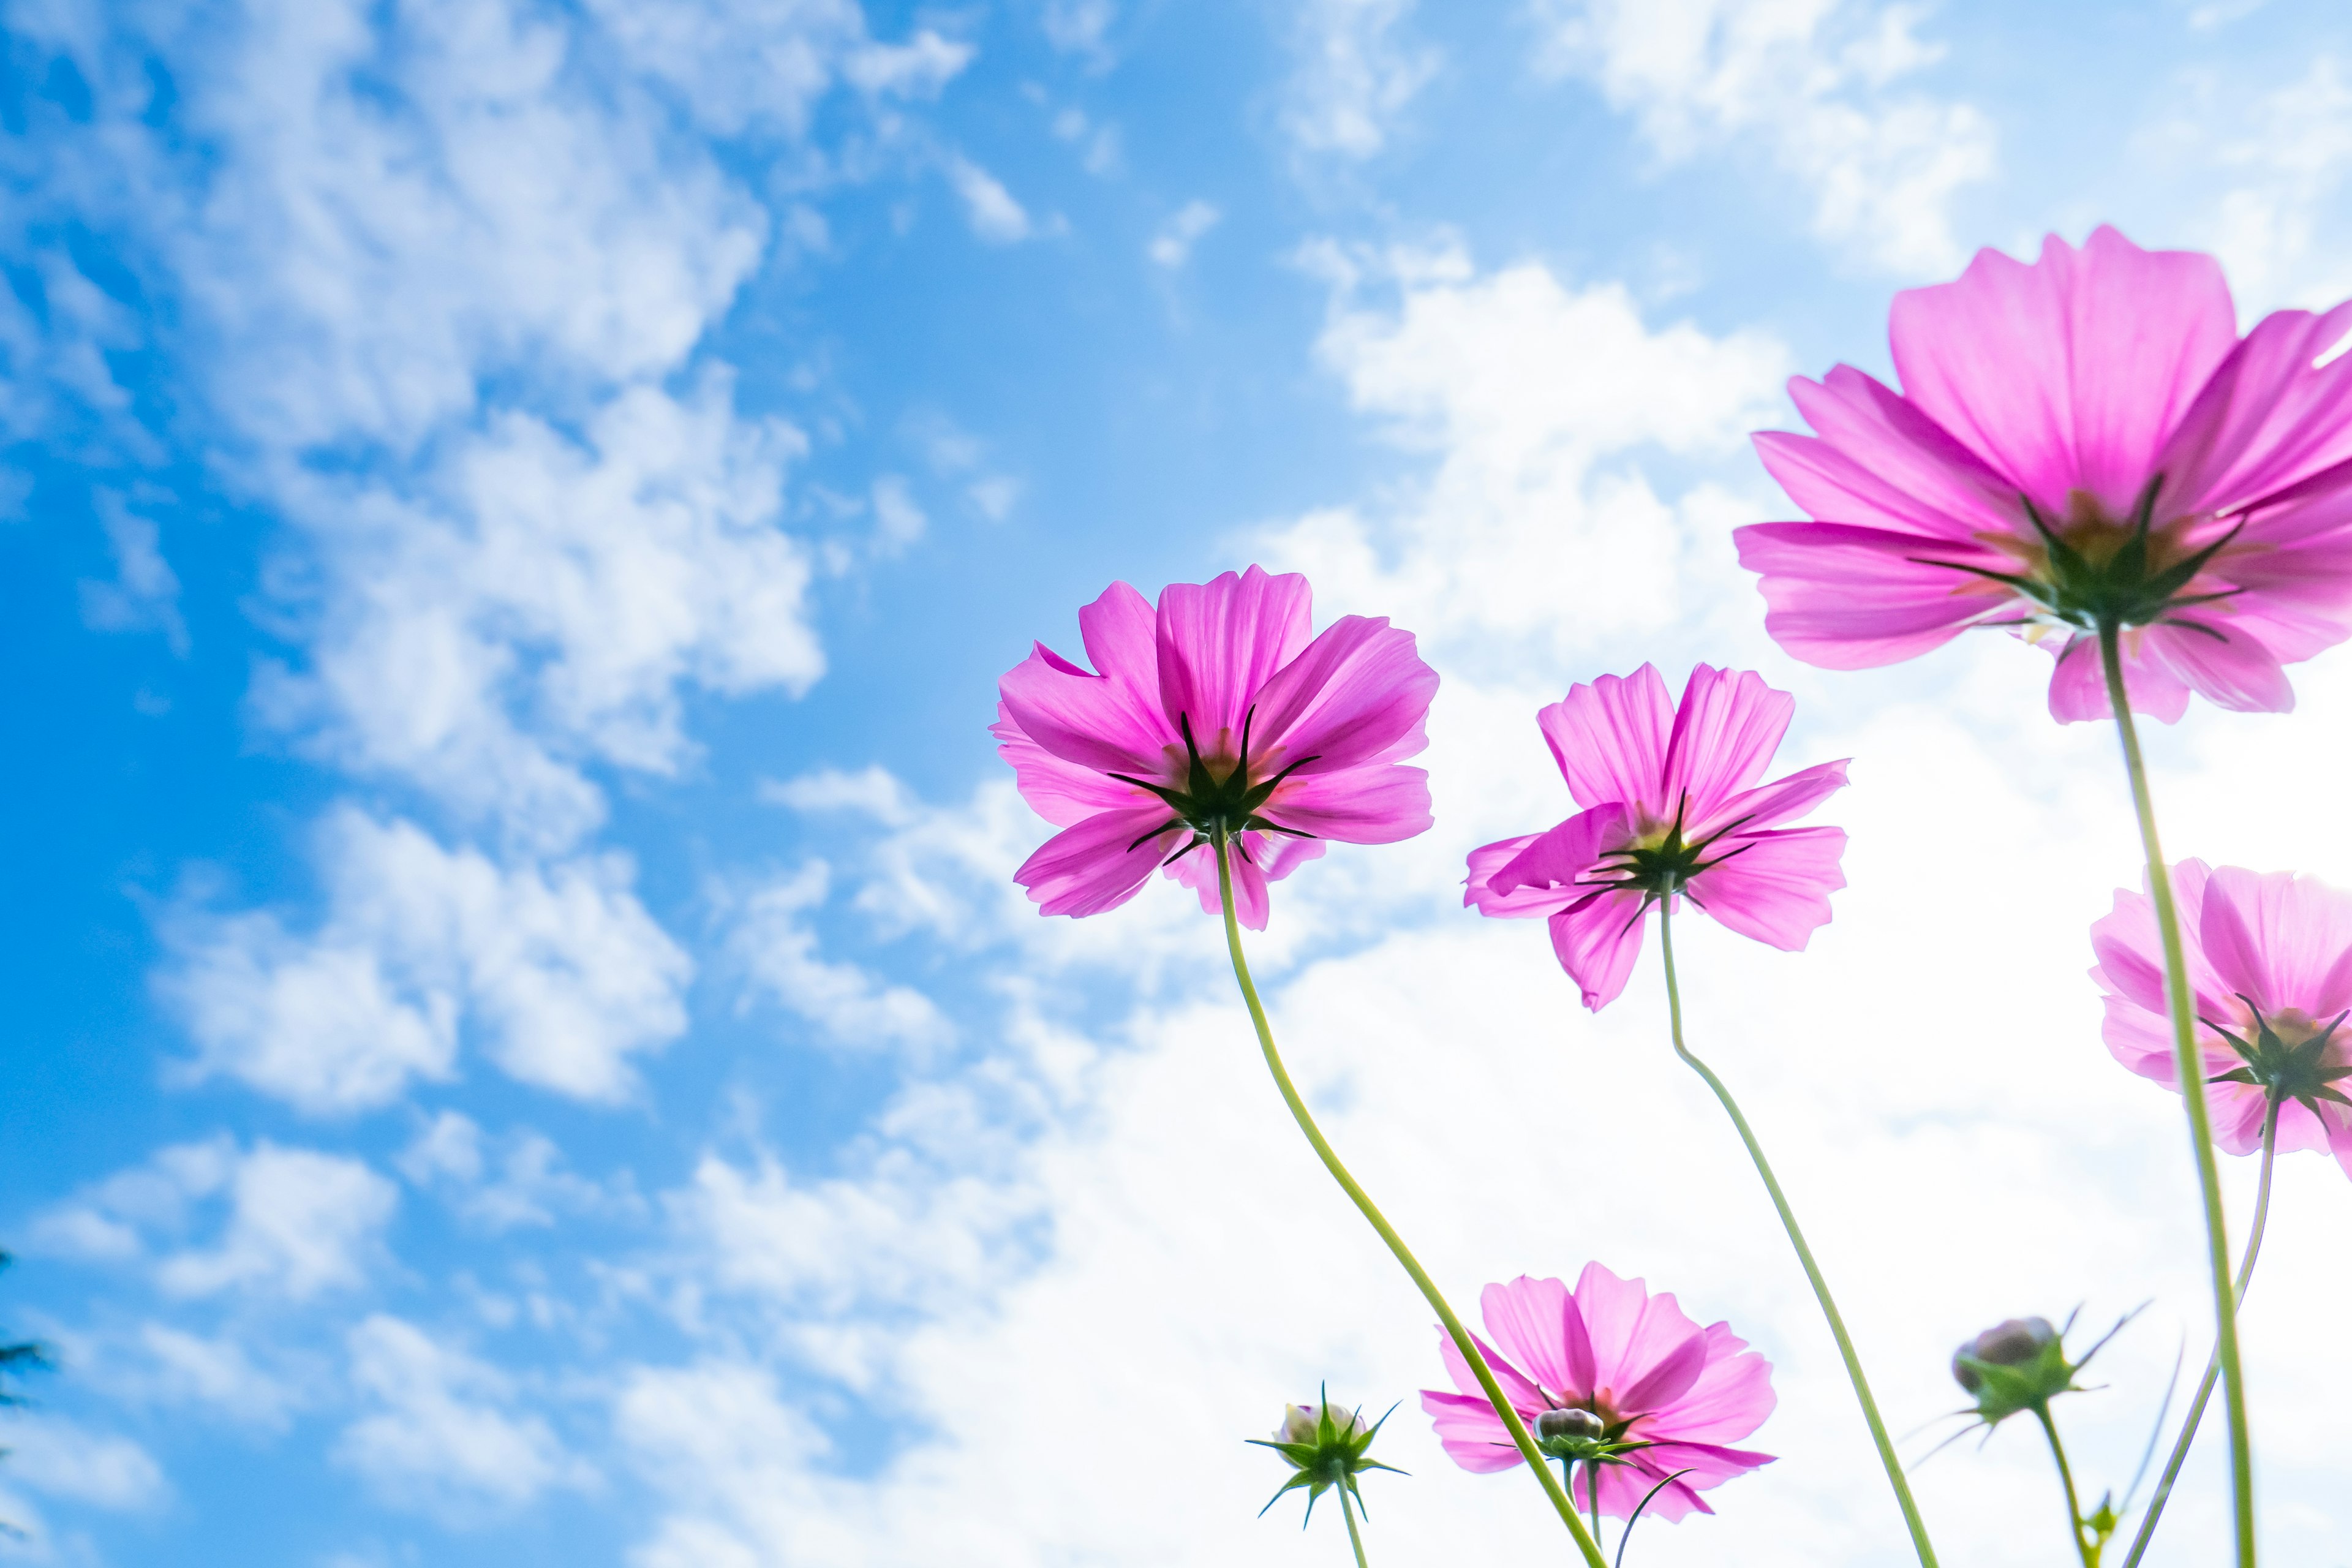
[[524, 1048]]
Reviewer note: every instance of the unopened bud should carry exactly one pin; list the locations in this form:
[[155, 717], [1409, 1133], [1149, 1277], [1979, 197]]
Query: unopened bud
[[1583, 1424], [2013, 1343], [1300, 1423]]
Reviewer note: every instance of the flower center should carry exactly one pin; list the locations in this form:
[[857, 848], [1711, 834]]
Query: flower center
[[1660, 862], [2289, 1056], [2088, 571], [1215, 805]]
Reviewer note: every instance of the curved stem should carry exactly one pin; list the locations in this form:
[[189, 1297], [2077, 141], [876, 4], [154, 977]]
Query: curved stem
[[2074, 1501], [1454, 1329], [2189, 1068], [1355, 1536], [1885, 1445], [2180, 1454]]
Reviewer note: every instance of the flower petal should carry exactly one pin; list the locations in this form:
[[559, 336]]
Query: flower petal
[[2266, 418], [2078, 687], [1610, 738], [1096, 864], [1727, 727], [1597, 940], [1566, 856], [1063, 794], [2070, 373], [1879, 462], [1775, 887], [1266, 858], [1082, 717], [1523, 1318], [1218, 642], [1638, 1339], [1472, 1434], [1379, 805], [2225, 662], [2282, 940], [1524, 1395], [1522, 902], [2131, 952], [1347, 699], [1842, 598], [1729, 1400], [1775, 803]]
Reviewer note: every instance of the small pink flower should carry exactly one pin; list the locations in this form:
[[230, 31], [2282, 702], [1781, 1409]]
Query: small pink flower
[[2084, 438], [1217, 709], [2270, 967], [1671, 806], [1649, 1373]]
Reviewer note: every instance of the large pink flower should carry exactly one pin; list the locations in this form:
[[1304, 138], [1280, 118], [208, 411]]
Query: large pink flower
[[2083, 439], [1671, 806], [1218, 710], [2269, 966], [1633, 1359]]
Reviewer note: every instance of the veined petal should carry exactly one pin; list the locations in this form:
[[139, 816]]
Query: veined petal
[[1063, 794], [1379, 804], [1524, 1395], [1727, 727], [1879, 462], [2265, 419], [1098, 865], [1521, 903], [1566, 856], [2070, 373], [1523, 1318], [1776, 887], [1347, 699], [2078, 687], [1769, 805], [1218, 642], [1842, 598], [1729, 1400], [1472, 1434], [1597, 940], [1265, 859], [2130, 950], [1632, 1332], [1121, 633], [2226, 663], [1083, 718], [1610, 738], [2282, 940]]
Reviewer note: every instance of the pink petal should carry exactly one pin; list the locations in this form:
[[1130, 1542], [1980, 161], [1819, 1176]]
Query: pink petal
[[2131, 953], [1472, 1434], [1266, 858], [1731, 1398], [2265, 419], [2078, 687], [1674, 1367], [1347, 699], [1636, 1336], [1121, 633], [1096, 864], [2226, 664], [1776, 888], [1706, 1467], [1777, 802], [1566, 856], [1379, 805], [2070, 373], [1597, 940], [1086, 718], [1879, 462], [1522, 902], [1842, 598], [1726, 727], [1610, 738], [2282, 940], [1219, 642], [1524, 1395], [1063, 794], [1523, 1318]]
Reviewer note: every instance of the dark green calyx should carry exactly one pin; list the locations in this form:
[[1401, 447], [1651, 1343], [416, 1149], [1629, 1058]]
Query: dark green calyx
[[2286, 1069], [2096, 573], [1212, 806], [1661, 866], [1325, 1449], [2022, 1364]]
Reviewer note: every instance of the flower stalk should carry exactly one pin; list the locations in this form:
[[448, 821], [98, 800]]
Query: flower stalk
[[2189, 1064], [1462, 1341], [1885, 1445]]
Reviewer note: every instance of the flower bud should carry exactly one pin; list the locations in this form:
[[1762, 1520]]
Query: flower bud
[[1301, 1422], [2015, 1341], [1325, 1446], [1582, 1425]]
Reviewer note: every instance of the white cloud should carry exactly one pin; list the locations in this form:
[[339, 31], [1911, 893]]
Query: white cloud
[[441, 1435], [1098, 146], [560, 970], [64, 1460], [2288, 156], [1080, 27], [990, 208], [217, 1374], [1173, 245], [898, 523], [1812, 82], [144, 596], [1358, 70], [773, 936], [292, 1224], [497, 1183]]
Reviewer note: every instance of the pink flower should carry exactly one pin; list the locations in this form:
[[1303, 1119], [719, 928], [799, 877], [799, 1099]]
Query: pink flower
[[2270, 967], [1216, 711], [2083, 439], [1671, 806], [1634, 1359]]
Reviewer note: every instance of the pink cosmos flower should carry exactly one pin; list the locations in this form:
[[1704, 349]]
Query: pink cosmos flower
[[1217, 710], [1634, 1361], [2269, 965], [1671, 806], [2083, 439]]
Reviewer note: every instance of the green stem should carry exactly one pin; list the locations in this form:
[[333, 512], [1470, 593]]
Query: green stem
[[2074, 1501], [2180, 1454], [1454, 1329], [1592, 1495], [1885, 1445], [2189, 1068], [1355, 1536]]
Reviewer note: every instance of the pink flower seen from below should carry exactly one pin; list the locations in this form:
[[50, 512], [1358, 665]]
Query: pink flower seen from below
[[2085, 438], [1218, 707], [2269, 966], [1672, 807], [1634, 1359]]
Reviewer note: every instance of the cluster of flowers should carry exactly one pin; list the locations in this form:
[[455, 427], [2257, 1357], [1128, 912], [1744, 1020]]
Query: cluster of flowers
[[2083, 451]]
